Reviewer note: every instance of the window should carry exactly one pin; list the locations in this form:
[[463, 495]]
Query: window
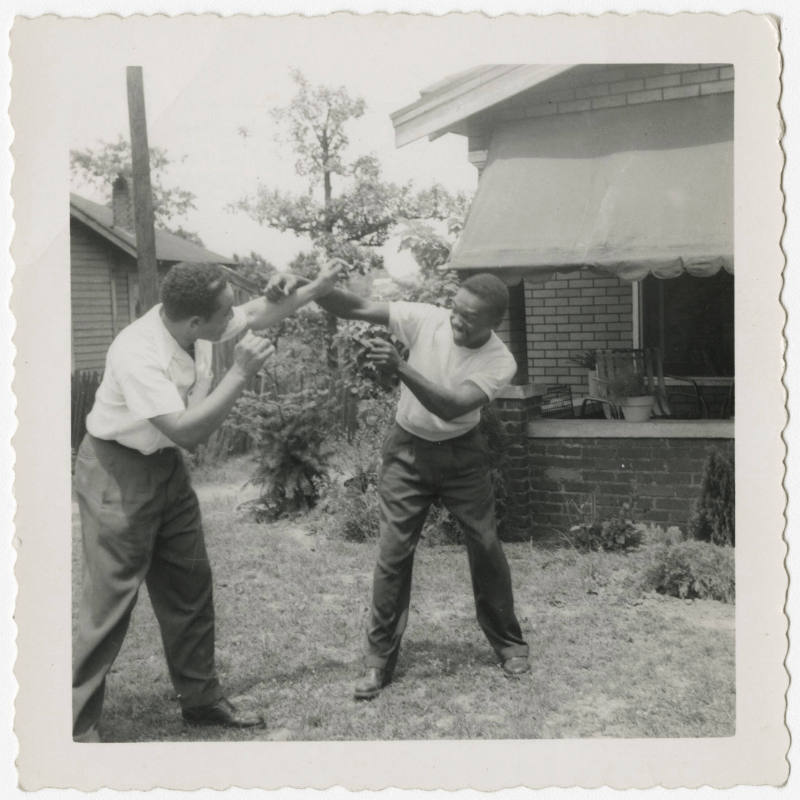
[[691, 321]]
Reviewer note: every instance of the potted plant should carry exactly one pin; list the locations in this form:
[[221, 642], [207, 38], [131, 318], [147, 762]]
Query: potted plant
[[629, 391]]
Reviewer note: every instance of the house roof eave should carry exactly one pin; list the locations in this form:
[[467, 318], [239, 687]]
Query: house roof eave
[[440, 110], [107, 233]]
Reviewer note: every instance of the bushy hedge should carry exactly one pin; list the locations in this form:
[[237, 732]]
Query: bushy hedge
[[692, 569]]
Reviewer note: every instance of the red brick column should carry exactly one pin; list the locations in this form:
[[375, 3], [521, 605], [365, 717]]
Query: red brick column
[[516, 406]]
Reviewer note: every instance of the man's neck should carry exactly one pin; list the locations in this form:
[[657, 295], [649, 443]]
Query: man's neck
[[477, 345], [179, 333]]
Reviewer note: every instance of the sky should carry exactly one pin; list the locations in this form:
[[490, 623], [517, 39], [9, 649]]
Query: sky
[[203, 84]]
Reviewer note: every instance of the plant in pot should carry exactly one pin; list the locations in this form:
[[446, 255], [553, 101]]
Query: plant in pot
[[629, 391]]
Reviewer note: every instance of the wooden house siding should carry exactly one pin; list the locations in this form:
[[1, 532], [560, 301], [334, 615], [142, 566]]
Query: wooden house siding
[[123, 267], [90, 296]]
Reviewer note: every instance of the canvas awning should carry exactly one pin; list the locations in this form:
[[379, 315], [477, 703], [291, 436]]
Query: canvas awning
[[649, 192]]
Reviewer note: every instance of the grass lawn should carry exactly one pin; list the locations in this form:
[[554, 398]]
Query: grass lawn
[[606, 659]]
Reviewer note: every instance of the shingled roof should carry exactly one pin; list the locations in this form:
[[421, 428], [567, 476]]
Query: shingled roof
[[169, 246]]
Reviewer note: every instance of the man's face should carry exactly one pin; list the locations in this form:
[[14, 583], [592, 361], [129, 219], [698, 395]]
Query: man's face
[[471, 319], [214, 326]]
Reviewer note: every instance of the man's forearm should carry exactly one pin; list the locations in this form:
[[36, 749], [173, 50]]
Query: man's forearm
[[263, 313], [443, 403], [341, 303], [194, 425]]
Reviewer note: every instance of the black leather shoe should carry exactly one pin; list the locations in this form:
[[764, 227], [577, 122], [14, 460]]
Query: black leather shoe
[[371, 683], [516, 665], [223, 712]]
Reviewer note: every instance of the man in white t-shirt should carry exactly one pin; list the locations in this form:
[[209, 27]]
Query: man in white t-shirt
[[140, 518], [456, 365]]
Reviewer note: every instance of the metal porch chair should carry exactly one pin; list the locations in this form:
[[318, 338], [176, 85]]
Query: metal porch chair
[[557, 402]]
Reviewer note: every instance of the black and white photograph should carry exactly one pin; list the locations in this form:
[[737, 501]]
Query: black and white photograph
[[404, 390]]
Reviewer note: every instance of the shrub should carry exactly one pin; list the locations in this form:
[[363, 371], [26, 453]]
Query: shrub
[[351, 498], [441, 527], [619, 532], [292, 454], [655, 535], [692, 569], [356, 517], [713, 517]]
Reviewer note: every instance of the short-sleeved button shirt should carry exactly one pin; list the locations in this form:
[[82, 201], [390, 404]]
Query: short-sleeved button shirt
[[148, 374], [426, 330]]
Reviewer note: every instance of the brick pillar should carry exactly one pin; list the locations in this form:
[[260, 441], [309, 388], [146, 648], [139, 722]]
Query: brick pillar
[[516, 406], [512, 331]]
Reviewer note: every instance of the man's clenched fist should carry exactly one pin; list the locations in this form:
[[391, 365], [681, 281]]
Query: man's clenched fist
[[250, 354]]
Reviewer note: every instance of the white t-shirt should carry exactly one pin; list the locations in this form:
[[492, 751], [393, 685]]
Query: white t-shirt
[[426, 330], [148, 374]]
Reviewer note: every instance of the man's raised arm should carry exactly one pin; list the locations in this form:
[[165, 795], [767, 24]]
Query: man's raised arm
[[269, 310], [340, 302]]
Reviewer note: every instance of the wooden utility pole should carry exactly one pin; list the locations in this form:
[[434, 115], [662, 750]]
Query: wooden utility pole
[[142, 193]]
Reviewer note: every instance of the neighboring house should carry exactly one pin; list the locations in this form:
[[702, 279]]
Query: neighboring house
[[605, 201], [103, 272]]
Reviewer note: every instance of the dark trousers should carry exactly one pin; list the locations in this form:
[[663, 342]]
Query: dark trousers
[[140, 521], [414, 472]]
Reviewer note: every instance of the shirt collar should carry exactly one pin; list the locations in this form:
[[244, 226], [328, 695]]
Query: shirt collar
[[168, 345]]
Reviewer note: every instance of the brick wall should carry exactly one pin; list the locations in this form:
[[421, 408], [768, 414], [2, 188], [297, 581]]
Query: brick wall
[[663, 476], [615, 86], [570, 314]]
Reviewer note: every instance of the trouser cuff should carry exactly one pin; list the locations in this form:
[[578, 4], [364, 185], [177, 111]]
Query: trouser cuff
[[206, 698]]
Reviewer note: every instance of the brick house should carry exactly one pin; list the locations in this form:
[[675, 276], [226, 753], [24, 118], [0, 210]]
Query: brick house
[[605, 201]]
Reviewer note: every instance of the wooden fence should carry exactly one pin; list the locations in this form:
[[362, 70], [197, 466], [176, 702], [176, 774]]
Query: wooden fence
[[84, 386]]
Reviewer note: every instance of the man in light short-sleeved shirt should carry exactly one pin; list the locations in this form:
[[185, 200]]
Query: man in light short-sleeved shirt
[[456, 365], [140, 518]]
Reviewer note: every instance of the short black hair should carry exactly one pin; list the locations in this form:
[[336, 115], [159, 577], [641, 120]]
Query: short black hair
[[491, 290], [192, 290]]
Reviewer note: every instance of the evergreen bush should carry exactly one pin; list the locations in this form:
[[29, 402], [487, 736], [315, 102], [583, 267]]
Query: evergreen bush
[[292, 454], [713, 517]]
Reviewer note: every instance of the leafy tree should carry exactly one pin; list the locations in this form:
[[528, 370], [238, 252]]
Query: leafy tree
[[348, 209], [100, 166], [254, 267]]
